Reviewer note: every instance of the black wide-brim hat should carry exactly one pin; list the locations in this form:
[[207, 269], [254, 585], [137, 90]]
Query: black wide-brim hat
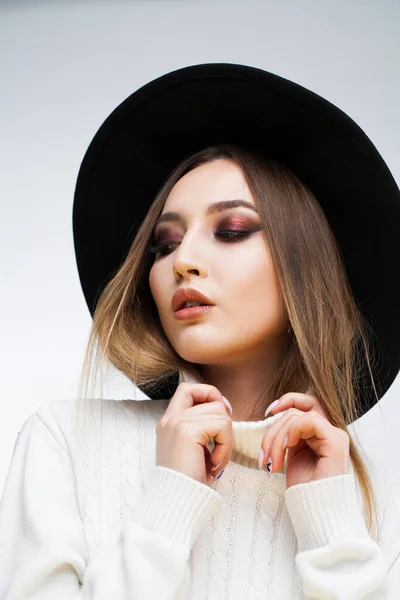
[[177, 114]]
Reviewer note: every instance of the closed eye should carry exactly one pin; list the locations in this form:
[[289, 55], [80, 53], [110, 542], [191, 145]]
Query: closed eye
[[227, 235]]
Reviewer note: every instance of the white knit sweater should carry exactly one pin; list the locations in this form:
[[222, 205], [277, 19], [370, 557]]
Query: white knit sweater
[[94, 518]]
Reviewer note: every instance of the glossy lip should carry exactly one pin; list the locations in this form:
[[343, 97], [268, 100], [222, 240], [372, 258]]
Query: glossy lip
[[192, 313], [184, 294]]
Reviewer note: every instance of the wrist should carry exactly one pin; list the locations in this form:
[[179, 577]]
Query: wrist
[[324, 510]]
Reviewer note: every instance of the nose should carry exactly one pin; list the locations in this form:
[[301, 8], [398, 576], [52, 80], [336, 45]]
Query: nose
[[187, 260]]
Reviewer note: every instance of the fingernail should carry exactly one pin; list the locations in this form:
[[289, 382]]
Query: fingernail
[[219, 474], [269, 466], [260, 458], [217, 466], [228, 404], [271, 406], [285, 441]]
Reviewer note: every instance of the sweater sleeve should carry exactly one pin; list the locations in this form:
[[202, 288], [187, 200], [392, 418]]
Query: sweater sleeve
[[43, 552], [337, 558]]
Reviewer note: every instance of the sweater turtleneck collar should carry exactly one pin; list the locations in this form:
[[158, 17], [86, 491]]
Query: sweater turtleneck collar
[[248, 435]]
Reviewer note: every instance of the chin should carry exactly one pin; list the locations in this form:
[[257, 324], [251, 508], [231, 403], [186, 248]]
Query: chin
[[195, 357]]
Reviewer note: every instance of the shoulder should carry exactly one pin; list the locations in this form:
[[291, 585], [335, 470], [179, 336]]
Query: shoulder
[[62, 410], [64, 418], [385, 476]]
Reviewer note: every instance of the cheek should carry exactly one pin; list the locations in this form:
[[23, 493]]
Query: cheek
[[160, 283], [254, 273], [155, 285], [257, 288]]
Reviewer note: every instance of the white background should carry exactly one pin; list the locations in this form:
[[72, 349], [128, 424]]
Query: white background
[[65, 66]]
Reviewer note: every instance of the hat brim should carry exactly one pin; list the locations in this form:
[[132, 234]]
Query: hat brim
[[177, 114]]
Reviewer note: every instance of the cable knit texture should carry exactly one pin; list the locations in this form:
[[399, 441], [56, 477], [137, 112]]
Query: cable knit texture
[[91, 516]]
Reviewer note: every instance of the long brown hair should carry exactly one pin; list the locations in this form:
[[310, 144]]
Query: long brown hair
[[327, 329]]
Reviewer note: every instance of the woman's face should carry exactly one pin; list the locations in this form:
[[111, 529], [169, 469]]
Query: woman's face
[[236, 274]]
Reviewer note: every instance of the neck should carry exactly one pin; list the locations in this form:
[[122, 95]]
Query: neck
[[246, 383]]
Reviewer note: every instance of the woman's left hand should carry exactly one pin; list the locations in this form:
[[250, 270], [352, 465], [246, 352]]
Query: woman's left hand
[[316, 449]]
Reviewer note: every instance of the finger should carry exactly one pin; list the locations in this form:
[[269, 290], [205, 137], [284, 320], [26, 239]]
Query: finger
[[201, 428], [207, 457], [223, 445], [217, 456], [216, 407], [272, 443], [279, 445], [304, 402], [188, 395], [317, 431], [272, 431], [196, 399], [211, 470]]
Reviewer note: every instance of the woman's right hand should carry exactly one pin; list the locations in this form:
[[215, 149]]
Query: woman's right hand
[[195, 414]]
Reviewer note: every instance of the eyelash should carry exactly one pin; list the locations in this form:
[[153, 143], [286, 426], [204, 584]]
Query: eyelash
[[230, 234]]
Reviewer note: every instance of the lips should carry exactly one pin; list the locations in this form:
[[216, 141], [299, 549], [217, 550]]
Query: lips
[[185, 294]]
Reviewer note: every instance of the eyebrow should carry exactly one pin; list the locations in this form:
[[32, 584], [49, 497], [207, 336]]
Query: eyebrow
[[215, 207]]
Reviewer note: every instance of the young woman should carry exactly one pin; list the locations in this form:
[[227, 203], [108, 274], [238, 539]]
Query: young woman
[[226, 187]]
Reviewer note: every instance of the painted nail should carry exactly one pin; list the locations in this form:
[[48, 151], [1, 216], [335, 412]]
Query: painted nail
[[271, 406], [217, 466], [260, 458], [285, 441], [269, 465], [219, 474], [228, 404]]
